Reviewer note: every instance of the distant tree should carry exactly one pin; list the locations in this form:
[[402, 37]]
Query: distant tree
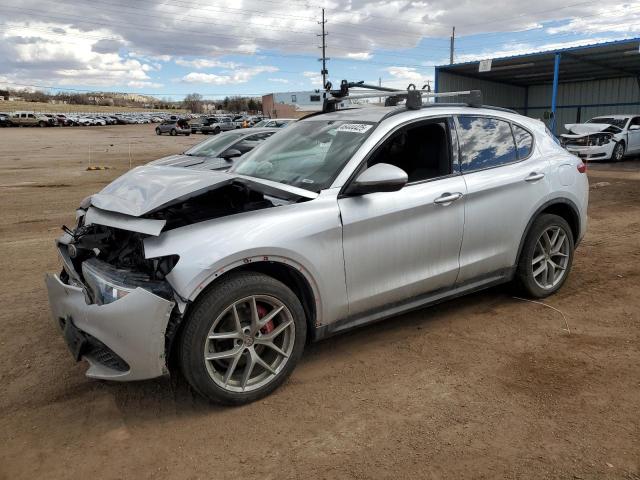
[[193, 103], [252, 105]]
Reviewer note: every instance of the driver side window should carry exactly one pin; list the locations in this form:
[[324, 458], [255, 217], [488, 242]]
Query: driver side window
[[422, 150]]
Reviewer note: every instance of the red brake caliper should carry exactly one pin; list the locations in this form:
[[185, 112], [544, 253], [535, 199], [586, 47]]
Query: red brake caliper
[[268, 328]]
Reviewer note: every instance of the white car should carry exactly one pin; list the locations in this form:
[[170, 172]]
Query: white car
[[603, 138]]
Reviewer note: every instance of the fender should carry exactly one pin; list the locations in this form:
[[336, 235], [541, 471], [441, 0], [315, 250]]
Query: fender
[[543, 207], [227, 267]]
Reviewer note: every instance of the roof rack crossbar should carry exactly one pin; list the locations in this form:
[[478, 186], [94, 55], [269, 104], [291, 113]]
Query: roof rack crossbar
[[412, 95]]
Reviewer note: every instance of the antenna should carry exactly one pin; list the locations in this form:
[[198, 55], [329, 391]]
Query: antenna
[[324, 58]]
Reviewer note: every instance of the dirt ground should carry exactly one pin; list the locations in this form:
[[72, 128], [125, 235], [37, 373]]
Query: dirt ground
[[486, 386]]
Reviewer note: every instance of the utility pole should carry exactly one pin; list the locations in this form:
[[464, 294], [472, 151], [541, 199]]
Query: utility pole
[[324, 58], [452, 46]]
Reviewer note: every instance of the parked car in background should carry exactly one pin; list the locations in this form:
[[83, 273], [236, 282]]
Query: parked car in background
[[275, 122], [610, 137], [339, 220], [220, 152], [217, 125], [31, 119], [4, 120], [174, 127]]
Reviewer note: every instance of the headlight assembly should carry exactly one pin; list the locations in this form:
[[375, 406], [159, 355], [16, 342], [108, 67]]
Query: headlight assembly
[[107, 283], [104, 290]]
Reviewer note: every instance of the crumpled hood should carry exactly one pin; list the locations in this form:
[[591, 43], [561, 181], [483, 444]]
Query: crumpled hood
[[150, 187], [586, 128]]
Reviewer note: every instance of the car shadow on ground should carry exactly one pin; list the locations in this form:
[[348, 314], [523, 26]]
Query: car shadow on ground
[[172, 396]]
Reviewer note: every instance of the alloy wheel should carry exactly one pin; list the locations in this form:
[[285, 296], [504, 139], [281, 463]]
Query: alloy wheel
[[249, 343], [550, 257]]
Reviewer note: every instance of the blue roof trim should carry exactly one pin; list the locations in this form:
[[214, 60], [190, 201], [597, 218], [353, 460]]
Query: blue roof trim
[[547, 52]]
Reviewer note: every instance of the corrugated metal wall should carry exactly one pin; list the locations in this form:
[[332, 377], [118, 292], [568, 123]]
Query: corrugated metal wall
[[493, 93], [580, 101], [577, 101]]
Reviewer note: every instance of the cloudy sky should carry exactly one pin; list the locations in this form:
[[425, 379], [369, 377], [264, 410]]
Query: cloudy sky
[[222, 47]]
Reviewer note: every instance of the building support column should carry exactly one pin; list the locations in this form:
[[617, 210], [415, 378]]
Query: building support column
[[554, 93]]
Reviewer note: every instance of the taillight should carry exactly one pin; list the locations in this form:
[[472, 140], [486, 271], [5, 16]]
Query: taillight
[[582, 167]]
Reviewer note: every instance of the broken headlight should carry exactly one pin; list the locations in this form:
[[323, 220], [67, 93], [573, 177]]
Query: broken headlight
[[108, 283], [104, 289], [599, 139]]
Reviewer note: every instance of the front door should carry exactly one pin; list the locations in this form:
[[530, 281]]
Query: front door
[[634, 136], [400, 245]]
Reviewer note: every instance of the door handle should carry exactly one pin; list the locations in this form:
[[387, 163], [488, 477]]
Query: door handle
[[534, 177], [446, 198]]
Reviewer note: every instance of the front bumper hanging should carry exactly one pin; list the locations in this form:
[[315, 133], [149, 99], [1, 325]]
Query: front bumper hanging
[[123, 340]]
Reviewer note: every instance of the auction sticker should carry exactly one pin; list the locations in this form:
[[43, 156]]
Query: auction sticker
[[354, 127]]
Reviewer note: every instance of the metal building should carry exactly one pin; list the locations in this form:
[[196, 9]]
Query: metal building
[[569, 85]]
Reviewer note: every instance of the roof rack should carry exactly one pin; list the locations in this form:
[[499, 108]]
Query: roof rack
[[411, 95]]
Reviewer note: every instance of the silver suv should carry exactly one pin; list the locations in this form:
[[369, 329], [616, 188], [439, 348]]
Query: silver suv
[[339, 220]]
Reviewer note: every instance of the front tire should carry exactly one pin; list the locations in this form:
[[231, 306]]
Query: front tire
[[546, 257], [243, 338], [173, 132], [618, 152], [158, 132]]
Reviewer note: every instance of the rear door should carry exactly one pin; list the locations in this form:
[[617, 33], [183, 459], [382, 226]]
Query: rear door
[[506, 180]]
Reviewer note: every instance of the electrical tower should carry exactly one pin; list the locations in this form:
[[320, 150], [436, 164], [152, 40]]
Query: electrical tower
[[324, 58]]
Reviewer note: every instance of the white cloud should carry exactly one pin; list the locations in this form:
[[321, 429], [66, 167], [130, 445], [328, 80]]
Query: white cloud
[[359, 55], [511, 50], [36, 53], [200, 63], [309, 74], [403, 76], [242, 75], [278, 80]]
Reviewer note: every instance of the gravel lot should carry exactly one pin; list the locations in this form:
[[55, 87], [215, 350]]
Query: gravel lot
[[486, 386]]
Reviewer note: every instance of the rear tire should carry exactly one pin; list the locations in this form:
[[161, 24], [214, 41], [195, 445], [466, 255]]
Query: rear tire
[[252, 358], [546, 257]]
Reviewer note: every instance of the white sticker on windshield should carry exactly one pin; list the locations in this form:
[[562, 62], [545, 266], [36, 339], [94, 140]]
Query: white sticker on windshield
[[354, 127]]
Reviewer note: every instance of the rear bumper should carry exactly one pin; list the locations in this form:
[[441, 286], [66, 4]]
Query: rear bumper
[[133, 328]]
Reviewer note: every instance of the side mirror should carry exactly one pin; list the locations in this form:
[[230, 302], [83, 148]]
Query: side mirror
[[634, 127], [231, 153], [382, 177]]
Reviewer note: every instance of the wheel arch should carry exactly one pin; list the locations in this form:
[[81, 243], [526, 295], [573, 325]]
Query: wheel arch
[[282, 269], [563, 207]]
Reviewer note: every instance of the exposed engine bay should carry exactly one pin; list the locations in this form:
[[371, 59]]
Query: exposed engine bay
[[119, 253]]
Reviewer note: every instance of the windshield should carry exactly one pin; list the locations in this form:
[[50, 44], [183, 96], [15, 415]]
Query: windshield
[[309, 155], [214, 146], [261, 123], [616, 122]]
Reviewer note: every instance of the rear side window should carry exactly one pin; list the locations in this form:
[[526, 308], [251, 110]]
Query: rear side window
[[485, 143], [524, 141]]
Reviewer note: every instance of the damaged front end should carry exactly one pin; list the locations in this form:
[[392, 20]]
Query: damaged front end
[[115, 306], [590, 141]]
